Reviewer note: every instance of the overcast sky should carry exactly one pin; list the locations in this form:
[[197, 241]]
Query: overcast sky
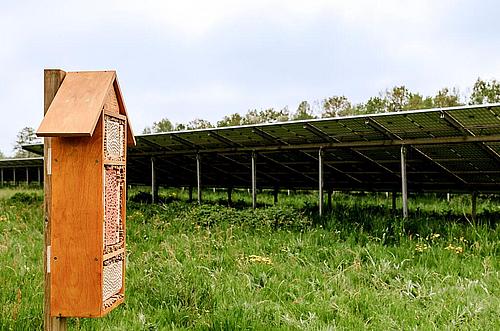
[[206, 59]]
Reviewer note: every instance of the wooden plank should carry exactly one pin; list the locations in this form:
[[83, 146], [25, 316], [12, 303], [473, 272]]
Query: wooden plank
[[52, 81], [111, 103], [113, 254], [124, 220], [78, 104], [76, 248], [123, 111]]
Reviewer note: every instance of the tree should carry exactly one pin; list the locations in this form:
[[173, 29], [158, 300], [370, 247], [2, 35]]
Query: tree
[[230, 120], [417, 101], [485, 92], [376, 105], [268, 115], [198, 123], [163, 125], [336, 106], [24, 137], [304, 112], [447, 98], [397, 98]]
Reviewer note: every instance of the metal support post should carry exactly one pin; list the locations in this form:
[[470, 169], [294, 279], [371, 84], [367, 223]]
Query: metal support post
[[40, 177], [1, 176], [14, 175], [229, 196], [198, 176], [254, 180], [404, 182], [474, 206], [329, 199], [320, 181], [27, 176], [154, 182], [275, 195], [190, 194], [394, 202]]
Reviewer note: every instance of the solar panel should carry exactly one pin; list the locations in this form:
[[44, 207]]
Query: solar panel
[[448, 149]]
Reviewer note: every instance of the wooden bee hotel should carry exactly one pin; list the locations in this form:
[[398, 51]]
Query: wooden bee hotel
[[87, 132]]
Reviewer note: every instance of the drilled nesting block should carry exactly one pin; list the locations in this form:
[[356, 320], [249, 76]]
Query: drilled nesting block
[[113, 207], [112, 280], [114, 138]]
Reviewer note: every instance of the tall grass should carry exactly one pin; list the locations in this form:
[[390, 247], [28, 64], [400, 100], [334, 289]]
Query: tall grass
[[278, 267]]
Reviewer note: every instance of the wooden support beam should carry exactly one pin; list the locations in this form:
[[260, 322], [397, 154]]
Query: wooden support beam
[[254, 180], [320, 181], [404, 182], [198, 176], [52, 81]]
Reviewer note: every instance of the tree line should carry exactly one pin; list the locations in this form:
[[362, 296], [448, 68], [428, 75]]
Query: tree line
[[398, 98]]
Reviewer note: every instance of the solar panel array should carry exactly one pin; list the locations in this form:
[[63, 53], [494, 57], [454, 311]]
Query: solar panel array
[[449, 149]]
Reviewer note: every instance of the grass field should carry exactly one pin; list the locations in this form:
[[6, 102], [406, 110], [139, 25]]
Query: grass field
[[278, 267]]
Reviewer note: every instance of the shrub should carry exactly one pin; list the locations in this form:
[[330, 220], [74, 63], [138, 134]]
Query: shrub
[[26, 198]]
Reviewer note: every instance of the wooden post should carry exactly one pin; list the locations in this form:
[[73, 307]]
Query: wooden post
[[14, 175], [198, 176], [448, 197], [39, 175], [154, 182], [320, 181], [27, 176], [474, 206], [404, 182], [254, 180], [52, 81]]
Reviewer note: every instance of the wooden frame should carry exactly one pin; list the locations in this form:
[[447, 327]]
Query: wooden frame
[[86, 252]]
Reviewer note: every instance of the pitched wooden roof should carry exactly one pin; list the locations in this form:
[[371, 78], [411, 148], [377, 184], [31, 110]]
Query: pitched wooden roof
[[78, 104]]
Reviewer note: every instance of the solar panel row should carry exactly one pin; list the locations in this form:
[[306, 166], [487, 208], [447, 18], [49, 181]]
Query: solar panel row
[[449, 149]]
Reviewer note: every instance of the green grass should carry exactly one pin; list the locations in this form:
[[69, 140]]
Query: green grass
[[279, 267]]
